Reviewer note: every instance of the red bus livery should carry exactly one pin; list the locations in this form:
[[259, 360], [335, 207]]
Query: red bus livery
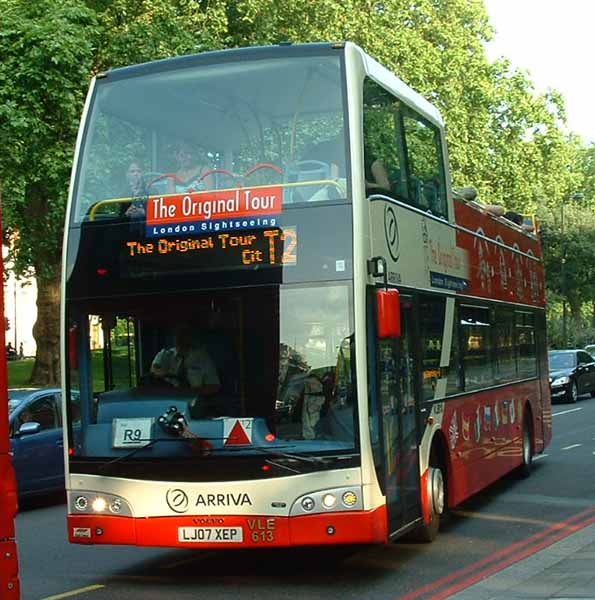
[[315, 342]]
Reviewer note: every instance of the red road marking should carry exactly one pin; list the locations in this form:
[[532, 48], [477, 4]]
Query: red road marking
[[504, 558]]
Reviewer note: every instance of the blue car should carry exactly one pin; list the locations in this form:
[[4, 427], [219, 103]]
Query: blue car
[[35, 422]]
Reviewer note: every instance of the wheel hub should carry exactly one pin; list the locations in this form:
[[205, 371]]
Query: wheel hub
[[436, 490]]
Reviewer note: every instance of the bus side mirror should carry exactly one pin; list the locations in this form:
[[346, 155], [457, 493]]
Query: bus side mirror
[[73, 348], [388, 313]]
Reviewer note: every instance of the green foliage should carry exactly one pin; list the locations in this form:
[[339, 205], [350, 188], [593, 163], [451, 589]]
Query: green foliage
[[19, 372], [504, 138], [46, 51], [136, 31], [587, 170], [576, 244]]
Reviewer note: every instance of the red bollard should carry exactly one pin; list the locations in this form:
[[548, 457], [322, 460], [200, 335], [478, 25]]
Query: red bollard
[[9, 564]]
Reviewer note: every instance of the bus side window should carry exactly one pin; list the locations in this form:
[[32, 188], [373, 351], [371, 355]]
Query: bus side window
[[432, 326], [476, 351], [383, 142], [424, 160]]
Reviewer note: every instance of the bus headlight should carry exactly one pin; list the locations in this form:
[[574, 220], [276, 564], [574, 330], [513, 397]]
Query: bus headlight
[[325, 501], [83, 502], [329, 501], [99, 504], [349, 499], [307, 504]]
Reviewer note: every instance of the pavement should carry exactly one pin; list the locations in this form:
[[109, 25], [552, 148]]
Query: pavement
[[563, 571]]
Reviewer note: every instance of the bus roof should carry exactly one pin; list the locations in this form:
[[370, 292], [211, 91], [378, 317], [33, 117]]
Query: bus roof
[[389, 80], [225, 55], [376, 70]]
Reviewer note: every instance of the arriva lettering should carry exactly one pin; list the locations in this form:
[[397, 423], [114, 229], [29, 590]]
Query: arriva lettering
[[239, 499]]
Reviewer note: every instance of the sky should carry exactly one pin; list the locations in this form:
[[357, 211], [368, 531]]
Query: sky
[[554, 41]]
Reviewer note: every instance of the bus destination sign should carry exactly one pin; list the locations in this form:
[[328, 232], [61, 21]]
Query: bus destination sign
[[226, 250]]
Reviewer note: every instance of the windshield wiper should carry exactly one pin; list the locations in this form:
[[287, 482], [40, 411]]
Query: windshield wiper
[[145, 447], [272, 451]]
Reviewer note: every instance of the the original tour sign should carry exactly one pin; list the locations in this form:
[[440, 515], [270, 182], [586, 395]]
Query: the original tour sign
[[212, 230], [213, 211]]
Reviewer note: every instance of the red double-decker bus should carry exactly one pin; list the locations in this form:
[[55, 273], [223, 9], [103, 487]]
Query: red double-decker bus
[[279, 326]]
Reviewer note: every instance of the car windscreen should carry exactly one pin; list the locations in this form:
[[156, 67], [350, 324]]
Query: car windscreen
[[562, 360]]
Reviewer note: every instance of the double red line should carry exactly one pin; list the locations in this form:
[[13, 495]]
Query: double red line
[[463, 578]]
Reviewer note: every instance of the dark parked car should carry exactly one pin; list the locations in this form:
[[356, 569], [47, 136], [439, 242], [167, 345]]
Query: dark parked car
[[572, 373], [35, 422]]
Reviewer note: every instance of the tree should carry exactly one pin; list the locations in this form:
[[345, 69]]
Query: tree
[[503, 137], [575, 282], [48, 52], [46, 55], [587, 169]]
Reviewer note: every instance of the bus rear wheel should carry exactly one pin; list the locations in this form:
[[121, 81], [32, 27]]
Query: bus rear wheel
[[527, 449]]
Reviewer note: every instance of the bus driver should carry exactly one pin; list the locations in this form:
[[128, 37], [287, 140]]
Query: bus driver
[[186, 365]]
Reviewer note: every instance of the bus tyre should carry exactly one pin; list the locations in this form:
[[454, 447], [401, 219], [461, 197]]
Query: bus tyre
[[428, 531], [527, 449]]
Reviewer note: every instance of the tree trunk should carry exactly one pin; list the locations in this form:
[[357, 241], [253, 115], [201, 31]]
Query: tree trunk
[[46, 331], [577, 319]]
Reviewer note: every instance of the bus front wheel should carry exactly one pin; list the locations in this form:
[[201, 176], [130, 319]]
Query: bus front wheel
[[428, 531], [527, 448]]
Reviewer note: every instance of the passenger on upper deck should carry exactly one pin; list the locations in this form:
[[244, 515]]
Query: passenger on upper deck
[[377, 180], [380, 178], [136, 191], [190, 175]]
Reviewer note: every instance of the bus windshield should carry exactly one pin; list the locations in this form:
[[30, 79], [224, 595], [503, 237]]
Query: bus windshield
[[277, 123], [242, 371]]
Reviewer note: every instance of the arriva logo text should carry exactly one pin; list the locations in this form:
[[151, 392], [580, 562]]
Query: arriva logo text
[[239, 499]]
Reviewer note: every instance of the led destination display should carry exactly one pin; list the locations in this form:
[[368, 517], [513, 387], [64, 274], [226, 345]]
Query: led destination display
[[310, 243], [225, 250]]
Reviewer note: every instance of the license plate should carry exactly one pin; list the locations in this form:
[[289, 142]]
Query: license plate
[[210, 534]]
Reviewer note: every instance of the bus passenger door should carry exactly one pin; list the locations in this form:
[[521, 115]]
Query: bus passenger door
[[397, 402]]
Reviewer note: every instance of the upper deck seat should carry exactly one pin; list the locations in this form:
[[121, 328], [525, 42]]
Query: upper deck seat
[[305, 170]]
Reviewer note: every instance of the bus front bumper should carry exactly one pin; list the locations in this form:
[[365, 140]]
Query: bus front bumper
[[195, 531]]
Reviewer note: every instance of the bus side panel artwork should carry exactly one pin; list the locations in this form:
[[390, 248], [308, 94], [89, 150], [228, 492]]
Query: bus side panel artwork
[[505, 262], [481, 256], [486, 429], [420, 251]]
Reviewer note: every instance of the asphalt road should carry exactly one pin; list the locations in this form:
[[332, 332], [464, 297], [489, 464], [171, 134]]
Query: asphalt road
[[496, 527]]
